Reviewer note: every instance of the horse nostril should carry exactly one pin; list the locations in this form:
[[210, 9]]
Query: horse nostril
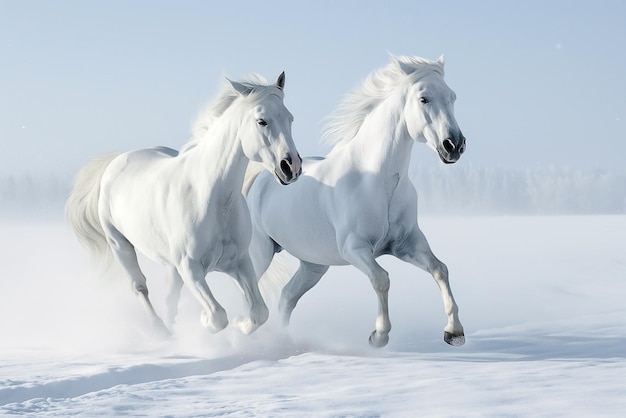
[[285, 167], [448, 145], [462, 148]]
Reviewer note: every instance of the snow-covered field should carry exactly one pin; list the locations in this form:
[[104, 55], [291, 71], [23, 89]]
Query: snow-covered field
[[541, 299]]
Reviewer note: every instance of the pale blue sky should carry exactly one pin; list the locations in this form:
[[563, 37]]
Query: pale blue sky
[[538, 82]]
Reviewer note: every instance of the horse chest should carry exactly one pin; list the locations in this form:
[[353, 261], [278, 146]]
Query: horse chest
[[220, 240], [393, 214], [378, 199], [220, 255]]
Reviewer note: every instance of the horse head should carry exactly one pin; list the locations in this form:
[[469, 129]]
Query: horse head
[[265, 129], [429, 108]]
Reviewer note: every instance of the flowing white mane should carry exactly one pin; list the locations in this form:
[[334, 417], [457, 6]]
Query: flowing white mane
[[258, 86], [345, 124]]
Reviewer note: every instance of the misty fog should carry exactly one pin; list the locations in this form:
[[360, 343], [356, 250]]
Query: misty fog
[[468, 189]]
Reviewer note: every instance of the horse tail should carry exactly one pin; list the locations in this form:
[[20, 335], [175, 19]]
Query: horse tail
[[252, 172], [276, 276], [81, 209]]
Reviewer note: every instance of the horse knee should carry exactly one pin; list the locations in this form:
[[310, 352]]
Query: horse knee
[[381, 282], [140, 288], [439, 270]]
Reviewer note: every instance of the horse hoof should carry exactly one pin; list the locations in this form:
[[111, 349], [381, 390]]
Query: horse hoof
[[246, 325], [454, 340], [213, 324], [378, 341]]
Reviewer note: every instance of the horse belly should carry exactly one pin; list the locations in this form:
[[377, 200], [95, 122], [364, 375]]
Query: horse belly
[[317, 249]]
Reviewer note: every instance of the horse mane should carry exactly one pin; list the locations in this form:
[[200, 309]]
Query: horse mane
[[376, 87], [257, 84]]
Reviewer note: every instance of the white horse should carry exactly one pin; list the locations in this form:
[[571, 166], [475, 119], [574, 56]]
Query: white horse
[[358, 203], [185, 210]]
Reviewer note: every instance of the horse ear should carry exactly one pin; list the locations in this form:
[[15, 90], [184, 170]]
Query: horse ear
[[280, 82], [406, 68], [240, 88], [441, 60]]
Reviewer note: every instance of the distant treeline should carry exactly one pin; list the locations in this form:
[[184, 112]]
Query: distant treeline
[[445, 190], [509, 191], [26, 195]]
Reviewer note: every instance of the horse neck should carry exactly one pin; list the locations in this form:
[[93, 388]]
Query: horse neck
[[217, 158], [382, 144]]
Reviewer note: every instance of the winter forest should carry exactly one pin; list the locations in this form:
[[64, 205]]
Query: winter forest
[[460, 190]]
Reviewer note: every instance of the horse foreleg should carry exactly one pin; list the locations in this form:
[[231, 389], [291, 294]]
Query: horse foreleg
[[262, 250], [246, 279], [360, 255], [307, 276], [415, 250], [175, 283], [213, 315]]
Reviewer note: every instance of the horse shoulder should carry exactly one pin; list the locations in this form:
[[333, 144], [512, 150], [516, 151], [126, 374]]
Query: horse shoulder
[[219, 236], [403, 207]]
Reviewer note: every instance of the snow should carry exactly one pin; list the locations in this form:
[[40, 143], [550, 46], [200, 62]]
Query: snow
[[541, 299]]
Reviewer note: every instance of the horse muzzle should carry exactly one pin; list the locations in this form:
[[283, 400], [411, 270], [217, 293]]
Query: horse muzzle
[[451, 150], [288, 170]]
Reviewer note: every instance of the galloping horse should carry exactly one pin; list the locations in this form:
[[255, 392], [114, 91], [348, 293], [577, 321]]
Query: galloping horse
[[358, 203], [185, 210]]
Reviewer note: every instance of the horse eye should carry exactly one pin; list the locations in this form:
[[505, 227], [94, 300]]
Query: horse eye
[[262, 122], [424, 100]]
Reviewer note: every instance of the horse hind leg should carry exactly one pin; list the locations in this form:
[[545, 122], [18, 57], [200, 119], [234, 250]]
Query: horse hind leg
[[175, 284], [307, 276], [125, 254]]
